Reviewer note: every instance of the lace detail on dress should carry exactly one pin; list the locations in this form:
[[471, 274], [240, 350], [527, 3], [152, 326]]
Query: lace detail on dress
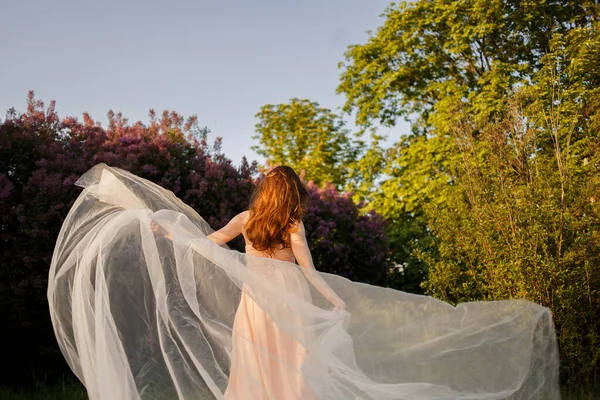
[[263, 267]]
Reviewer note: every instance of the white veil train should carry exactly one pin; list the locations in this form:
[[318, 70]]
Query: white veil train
[[138, 316]]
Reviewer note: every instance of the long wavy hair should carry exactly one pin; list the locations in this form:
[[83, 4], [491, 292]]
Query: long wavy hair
[[278, 203]]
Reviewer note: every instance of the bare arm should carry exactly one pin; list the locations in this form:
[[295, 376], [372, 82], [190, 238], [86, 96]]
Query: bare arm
[[220, 237], [305, 261], [229, 231]]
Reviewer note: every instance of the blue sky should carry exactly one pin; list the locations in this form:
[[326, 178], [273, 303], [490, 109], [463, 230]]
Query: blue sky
[[221, 60]]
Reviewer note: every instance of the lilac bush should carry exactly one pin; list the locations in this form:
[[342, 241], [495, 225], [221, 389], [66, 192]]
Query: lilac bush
[[42, 155], [342, 240]]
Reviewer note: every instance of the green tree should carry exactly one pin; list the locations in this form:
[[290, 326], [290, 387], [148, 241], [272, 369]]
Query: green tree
[[434, 62], [522, 218], [416, 172], [430, 55], [308, 138], [495, 189]]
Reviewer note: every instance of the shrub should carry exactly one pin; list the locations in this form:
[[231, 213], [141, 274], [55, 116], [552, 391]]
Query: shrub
[[41, 156]]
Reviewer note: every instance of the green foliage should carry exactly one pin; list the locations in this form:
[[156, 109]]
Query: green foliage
[[415, 173], [494, 193], [428, 60], [365, 170], [308, 138], [523, 218], [430, 55], [522, 222]]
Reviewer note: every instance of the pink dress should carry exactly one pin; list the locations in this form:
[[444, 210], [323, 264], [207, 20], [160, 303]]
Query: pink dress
[[266, 362]]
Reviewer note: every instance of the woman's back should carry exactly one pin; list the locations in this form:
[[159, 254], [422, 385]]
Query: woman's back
[[285, 254]]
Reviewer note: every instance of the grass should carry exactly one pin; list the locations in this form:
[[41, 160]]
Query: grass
[[67, 390], [71, 390], [583, 394]]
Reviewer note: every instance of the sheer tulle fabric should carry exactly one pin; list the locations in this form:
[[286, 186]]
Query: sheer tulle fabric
[[140, 316]]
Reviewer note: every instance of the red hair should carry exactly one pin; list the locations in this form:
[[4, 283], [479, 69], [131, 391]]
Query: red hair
[[277, 205]]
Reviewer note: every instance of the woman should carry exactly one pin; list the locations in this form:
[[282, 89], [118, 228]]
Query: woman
[[271, 228], [148, 302]]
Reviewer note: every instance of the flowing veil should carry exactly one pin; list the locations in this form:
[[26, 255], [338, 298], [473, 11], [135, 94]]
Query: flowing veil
[[138, 316]]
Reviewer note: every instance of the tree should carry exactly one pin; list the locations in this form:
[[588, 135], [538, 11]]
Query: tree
[[308, 138], [434, 62], [415, 173], [430, 55], [522, 217], [496, 184]]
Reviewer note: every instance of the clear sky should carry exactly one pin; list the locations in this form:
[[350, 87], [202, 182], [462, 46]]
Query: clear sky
[[220, 60]]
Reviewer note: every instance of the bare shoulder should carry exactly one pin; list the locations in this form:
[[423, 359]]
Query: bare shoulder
[[243, 216]]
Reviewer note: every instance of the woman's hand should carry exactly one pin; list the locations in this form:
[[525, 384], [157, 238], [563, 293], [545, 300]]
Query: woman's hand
[[159, 230], [338, 304]]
